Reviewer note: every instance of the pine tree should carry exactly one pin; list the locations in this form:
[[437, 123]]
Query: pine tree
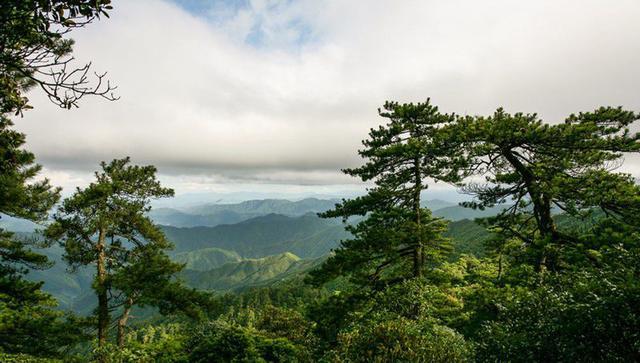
[[148, 279], [537, 167], [106, 224], [397, 237], [35, 51], [28, 321]]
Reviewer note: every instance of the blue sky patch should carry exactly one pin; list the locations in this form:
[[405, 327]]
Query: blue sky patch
[[295, 32]]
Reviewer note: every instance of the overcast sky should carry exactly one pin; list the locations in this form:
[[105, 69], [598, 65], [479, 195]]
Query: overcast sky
[[275, 96]]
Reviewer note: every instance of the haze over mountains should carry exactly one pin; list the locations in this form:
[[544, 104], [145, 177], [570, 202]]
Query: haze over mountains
[[211, 215], [234, 246]]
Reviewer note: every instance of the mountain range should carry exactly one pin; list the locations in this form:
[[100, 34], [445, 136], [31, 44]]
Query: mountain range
[[307, 236], [229, 247], [211, 215]]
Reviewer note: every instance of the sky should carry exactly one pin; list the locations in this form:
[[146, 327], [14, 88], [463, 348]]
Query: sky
[[274, 97]]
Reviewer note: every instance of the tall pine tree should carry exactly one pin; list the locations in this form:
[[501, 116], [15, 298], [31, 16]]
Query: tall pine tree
[[398, 237], [106, 224], [532, 167], [28, 321]]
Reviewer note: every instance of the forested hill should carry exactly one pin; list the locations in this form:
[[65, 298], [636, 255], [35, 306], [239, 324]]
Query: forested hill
[[307, 236], [268, 248], [250, 272]]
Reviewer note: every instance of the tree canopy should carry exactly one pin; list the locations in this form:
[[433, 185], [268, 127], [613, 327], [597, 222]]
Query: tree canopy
[[35, 51]]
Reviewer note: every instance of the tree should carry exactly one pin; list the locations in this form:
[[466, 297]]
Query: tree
[[538, 167], [400, 340], [105, 224], [221, 341], [147, 279], [35, 52], [28, 321], [397, 236], [582, 315]]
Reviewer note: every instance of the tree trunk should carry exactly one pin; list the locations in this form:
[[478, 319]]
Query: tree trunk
[[122, 322], [103, 299], [541, 205], [418, 258]]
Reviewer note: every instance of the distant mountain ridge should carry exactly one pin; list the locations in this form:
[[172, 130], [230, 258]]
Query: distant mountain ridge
[[177, 218], [307, 236], [268, 206], [16, 224], [239, 250], [211, 215], [458, 212]]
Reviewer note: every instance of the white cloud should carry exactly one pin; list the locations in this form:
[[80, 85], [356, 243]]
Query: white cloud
[[199, 98]]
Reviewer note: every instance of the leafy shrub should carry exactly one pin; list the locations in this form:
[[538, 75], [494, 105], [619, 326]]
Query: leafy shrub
[[400, 340], [220, 341], [579, 316], [24, 358], [151, 344]]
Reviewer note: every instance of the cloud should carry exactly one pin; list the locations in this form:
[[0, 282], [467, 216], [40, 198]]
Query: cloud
[[283, 92]]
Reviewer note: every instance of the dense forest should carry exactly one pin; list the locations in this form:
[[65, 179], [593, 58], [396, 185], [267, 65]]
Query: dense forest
[[541, 263]]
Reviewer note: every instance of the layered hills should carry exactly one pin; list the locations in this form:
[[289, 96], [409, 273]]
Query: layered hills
[[230, 247], [211, 215], [306, 236]]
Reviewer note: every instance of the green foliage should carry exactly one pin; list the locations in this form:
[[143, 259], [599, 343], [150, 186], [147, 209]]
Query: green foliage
[[289, 324], [30, 324], [28, 321], [291, 294], [34, 52], [106, 224], [24, 358], [467, 237], [537, 166], [220, 341], [588, 315], [151, 344], [20, 195], [397, 237], [400, 340]]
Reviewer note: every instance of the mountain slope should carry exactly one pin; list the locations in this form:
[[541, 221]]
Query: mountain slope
[[467, 237], [66, 286], [16, 224], [307, 236], [206, 258], [250, 272]]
